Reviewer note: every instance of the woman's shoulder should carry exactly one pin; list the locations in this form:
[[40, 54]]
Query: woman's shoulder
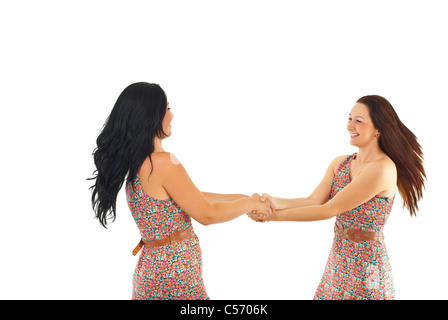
[[164, 159], [386, 165], [162, 163], [382, 167], [160, 166]]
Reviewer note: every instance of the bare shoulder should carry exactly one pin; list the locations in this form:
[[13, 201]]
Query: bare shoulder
[[383, 167], [164, 159], [165, 163], [386, 166], [160, 163]]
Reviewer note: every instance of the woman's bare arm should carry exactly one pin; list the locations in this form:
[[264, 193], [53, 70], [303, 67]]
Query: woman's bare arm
[[320, 195], [181, 188], [214, 197], [372, 180]]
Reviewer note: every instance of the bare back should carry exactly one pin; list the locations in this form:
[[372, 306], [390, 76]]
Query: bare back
[[152, 182]]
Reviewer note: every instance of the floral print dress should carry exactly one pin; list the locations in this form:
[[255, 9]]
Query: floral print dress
[[172, 271], [358, 270]]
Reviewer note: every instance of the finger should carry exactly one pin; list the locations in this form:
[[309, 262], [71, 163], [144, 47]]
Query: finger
[[268, 208]]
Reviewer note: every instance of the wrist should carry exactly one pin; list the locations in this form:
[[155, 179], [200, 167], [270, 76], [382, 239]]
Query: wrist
[[278, 203], [273, 217], [250, 204]]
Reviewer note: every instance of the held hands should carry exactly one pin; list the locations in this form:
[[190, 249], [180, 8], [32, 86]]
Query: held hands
[[267, 207]]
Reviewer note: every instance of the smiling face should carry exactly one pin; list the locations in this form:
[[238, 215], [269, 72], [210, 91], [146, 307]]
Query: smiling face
[[360, 126]]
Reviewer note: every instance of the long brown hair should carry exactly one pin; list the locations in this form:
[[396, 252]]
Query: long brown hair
[[401, 145]]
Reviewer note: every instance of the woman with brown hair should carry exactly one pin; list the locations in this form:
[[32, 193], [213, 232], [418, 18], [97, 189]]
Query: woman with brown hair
[[359, 189]]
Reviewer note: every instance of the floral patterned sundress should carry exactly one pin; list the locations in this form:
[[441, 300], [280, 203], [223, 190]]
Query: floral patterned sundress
[[169, 272], [358, 270]]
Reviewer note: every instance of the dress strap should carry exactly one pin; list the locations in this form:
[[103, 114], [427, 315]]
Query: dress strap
[[347, 160]]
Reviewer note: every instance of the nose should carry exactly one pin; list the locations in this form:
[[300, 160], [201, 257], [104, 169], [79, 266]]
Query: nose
[[350, 125]]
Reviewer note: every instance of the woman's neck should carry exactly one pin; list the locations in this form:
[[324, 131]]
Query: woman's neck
[[368, 153], [158, 145]]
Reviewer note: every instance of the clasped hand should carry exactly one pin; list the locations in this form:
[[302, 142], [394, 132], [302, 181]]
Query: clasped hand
[[267, 208]]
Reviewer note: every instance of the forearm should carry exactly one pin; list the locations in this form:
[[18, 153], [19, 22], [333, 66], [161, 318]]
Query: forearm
[[214, 197], [308, 213], [283, 204], [223, 211]]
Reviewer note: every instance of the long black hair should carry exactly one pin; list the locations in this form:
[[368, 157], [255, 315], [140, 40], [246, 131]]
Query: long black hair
[[402, 146], [125, 141]]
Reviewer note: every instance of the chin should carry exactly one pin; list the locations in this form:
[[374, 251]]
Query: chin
[[166, 134]]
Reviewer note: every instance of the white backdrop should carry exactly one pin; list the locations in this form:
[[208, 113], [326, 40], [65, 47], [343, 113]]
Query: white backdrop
[[260, 92]]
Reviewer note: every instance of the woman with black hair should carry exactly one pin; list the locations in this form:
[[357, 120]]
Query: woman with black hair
[[160, 195], [359, 190]]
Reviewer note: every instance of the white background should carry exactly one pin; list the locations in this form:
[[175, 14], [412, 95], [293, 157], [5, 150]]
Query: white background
[[260, 90]]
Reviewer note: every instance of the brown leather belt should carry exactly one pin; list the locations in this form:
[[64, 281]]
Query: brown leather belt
[[176, 236], [357, 235]]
